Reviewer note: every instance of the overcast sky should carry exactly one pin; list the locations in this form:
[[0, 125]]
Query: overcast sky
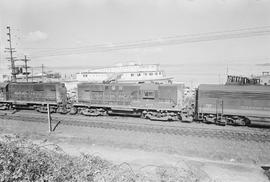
[[52, 24]]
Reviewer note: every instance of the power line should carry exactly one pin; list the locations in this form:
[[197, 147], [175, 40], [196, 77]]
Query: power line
[[147, 40], [164, 41]]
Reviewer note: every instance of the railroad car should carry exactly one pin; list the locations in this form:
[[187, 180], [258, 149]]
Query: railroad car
[[233, 104], [26, 95], [162, 102]]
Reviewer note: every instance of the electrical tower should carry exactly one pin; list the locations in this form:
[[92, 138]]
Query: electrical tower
[[11, 58]]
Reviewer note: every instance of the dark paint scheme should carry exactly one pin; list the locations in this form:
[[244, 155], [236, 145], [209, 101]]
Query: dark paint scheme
[[236, 104], [132, 96], [33, 93], [249, 101]]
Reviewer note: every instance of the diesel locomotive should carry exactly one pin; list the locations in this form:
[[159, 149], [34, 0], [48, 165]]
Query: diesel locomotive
[[233, 104], [163, 101], [240, 102], [33, 96]]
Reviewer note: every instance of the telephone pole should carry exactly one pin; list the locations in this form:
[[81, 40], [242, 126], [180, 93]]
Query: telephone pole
[[25, 60], [32, 70], [11, 58], [42, 71]]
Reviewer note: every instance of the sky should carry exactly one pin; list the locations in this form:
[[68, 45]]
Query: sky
[[39, 25]]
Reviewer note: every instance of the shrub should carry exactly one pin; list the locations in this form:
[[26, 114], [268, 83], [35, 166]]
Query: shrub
[[22, 160]]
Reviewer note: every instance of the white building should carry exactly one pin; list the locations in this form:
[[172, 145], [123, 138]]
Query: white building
[[125, 73], [265, 78]]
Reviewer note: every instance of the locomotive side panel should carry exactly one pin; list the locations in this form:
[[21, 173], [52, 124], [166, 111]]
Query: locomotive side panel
[[172, 93], [83, 93], [120, 94], [161, 97], [49, 92], [36, 92], [107, 94], [138, 96], [147, 97], [25, 92], [247, 101]]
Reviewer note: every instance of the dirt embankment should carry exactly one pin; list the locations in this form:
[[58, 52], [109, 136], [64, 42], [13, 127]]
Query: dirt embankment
[[211, 159]]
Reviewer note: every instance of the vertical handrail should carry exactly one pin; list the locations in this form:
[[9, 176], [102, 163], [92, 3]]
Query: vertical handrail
[[216, 110], [49, 118], [222, 109]]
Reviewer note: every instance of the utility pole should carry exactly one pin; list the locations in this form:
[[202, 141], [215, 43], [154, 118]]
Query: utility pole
[[42, 69], [11, 58], [32, 70], [26, 67]]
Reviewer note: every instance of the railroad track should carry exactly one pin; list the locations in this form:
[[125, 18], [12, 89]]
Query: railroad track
[[256, 135]]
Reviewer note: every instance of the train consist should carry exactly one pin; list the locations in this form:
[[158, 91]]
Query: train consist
[[239, 102]]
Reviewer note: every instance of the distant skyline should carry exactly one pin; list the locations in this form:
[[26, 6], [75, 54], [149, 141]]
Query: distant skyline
[[40, 25]]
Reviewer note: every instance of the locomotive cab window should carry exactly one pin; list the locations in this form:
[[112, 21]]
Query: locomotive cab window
[[148, 95]]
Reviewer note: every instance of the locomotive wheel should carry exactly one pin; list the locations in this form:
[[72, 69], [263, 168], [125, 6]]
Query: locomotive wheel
[[43, 109], [240, 121], [73, 111], [247, 122], [102, 112], [4, 107], [62, 110], [146, 114], [93, 112]]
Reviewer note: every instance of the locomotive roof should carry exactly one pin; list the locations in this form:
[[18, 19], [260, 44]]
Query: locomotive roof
[[255, 88], [32, 83], [128, 84]]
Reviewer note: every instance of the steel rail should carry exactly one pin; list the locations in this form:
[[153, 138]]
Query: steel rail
[[219, 133]]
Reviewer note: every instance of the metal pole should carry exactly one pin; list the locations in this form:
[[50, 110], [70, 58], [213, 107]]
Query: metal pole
[[13, 71], [216, 111], [42, 72], [25, 62], [32, 74], [49, 118]]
